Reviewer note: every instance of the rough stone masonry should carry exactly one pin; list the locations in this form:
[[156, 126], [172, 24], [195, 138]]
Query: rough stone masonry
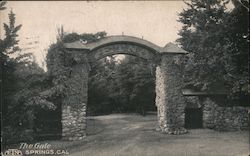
[[169, 83]]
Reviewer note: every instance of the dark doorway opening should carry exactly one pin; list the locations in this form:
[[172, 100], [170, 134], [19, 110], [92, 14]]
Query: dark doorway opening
[[193, 118]]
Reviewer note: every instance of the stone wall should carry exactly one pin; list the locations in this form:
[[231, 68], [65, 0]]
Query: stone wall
[[169, 99], [224, 118]]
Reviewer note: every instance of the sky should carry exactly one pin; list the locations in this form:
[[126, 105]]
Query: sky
[[156, 21]]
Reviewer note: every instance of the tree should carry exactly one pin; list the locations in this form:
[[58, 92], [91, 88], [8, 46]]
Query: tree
[[9, 45], [21, 81], [237, 55], [217, 40]]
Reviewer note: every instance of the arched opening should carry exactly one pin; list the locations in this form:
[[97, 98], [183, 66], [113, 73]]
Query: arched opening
[[121, 78], [121, 84]]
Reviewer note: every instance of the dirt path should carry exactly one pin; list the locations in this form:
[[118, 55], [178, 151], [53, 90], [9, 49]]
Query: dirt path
[[133, 135]]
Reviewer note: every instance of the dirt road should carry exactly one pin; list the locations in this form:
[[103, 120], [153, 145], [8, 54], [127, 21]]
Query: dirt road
[[134, 135]]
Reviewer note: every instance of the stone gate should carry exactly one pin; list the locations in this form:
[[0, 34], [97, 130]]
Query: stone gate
[[169, 99]]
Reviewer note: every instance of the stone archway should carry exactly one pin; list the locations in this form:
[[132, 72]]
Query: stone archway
[[169, 99]]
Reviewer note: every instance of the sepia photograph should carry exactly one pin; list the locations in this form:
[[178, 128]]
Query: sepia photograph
[[125, 78]]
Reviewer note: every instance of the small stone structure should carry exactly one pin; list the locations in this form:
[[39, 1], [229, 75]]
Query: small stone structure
[[215, 116], [169, 98]]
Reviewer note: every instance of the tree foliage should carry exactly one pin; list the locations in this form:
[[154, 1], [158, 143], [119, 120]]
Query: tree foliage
[[125, 85], [21, 83], [217, 40], [56, 58]]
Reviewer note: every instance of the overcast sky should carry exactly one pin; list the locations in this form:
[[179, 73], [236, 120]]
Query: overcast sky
[[155, 21]]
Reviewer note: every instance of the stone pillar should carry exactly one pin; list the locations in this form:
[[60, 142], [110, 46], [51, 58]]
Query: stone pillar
[[74, 104], [169, 99]]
